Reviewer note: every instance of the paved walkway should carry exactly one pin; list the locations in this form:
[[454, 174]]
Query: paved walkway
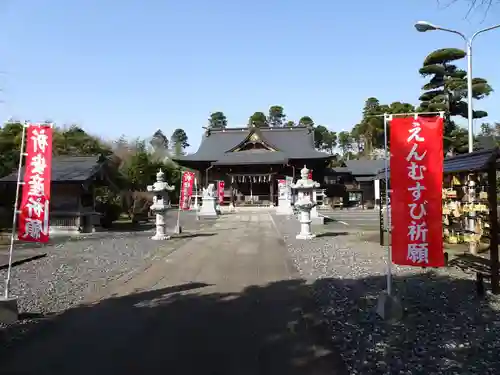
[[228, 302]]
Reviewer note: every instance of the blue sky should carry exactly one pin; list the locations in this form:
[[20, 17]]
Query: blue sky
[[133, 66]]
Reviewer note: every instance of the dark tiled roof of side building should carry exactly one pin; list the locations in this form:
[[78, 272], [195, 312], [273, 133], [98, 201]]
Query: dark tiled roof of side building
[[470, 162], [67, 169], [364, 167]]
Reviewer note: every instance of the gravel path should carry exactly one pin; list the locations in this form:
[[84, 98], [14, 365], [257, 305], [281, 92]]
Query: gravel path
[[79, 269], [446, 328]]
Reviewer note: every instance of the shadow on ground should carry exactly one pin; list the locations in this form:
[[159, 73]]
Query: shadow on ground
[[332, 234], [184, 329], [128, 226], [121, 230], [446, 328], [272, 329]]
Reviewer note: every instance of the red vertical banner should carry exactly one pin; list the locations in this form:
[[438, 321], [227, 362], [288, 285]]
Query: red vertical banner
[[416, 178], [35, 200], [220, 191], [310, 175], [186, 190]]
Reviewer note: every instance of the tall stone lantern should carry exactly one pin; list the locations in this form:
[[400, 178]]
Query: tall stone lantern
[[160, 206], [305, 193]]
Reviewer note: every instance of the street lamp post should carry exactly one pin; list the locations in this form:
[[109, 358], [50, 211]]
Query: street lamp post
[[423, 26]]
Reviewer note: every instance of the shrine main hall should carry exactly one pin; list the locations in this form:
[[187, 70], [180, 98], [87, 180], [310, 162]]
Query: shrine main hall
[[252, 160]]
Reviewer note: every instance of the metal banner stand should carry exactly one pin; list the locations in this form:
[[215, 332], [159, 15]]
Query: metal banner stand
[[8, 305], [178, 229], [388, 306]]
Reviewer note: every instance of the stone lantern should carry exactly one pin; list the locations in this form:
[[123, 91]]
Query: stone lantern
[[161, 204], [305, 193]]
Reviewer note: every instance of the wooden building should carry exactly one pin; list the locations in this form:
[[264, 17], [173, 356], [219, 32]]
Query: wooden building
[[73, 200], [358, 178], [251, 160]]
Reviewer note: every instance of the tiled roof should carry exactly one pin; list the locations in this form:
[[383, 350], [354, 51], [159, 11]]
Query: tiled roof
[[252, 157], [364, 167], [294, 143], [67, 169], [475, 161], [365, 178], [471, 162]]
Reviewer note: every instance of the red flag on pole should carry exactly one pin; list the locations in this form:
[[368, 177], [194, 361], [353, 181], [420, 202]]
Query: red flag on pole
[[416, 175], [220, 191], [35, 201], [186, 190]]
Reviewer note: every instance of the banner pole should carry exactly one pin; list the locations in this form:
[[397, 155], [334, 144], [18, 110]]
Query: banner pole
[[196, 198], [387, 211], [14, 216], [179, 217], [195, 194], [178, 229]]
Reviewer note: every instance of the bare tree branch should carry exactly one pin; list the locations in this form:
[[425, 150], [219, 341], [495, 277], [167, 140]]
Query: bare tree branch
[[474, 5]]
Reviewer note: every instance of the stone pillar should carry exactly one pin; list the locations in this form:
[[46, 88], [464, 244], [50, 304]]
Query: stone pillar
[[231, 200], [284, 203], [160, 228], [305, 226], [323, 200], [271, 190], [315, 217]]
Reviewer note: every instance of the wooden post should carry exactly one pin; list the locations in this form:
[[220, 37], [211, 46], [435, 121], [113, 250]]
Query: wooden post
[[493, 203], [271, 190]]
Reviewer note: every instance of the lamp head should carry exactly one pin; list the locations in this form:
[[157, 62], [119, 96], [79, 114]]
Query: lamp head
[[423, 26]]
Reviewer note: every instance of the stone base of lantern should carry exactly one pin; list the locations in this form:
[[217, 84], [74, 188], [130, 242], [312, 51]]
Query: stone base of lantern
[[305, 228], [161, 227], [305, 236], [160, 237]]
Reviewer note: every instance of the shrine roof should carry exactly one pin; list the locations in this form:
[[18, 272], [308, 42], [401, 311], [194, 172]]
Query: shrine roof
[[364, 167], [365, 178], [67, 169], [471, 162], [252, 157], [293, 143]]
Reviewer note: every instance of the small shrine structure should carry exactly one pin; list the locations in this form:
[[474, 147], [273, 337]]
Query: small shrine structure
[[251, 160]]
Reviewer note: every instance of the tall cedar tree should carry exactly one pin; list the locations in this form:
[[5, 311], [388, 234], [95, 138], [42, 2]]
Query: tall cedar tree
[[259, 120], [217, 120], [276, 117]]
